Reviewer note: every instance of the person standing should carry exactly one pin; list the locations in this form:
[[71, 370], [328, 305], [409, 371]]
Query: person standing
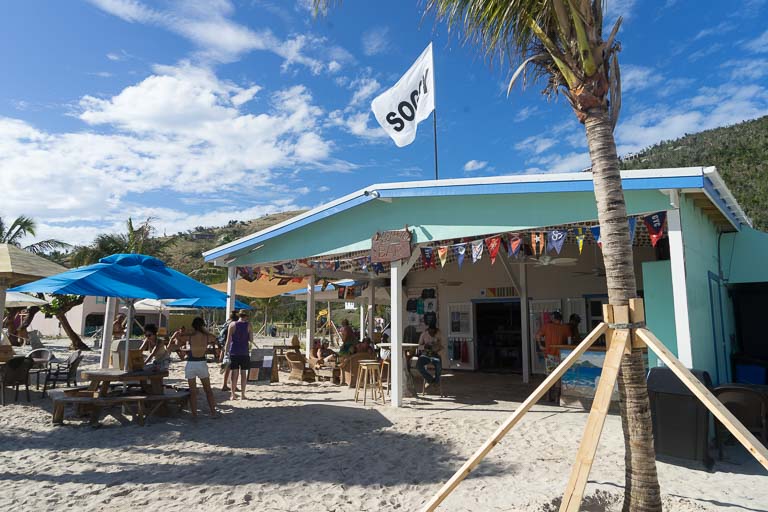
[[548, 336], [574, 321], [233, 316], [430, 345], [239, 339], [197, 367]]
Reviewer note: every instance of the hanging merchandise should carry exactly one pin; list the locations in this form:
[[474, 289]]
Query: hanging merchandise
[[596, 235], [580, 234], [250, 274], [342, 291], [477, 251], [555, 239], [464, 351], [378, 268], [655, 225], [632, 222], [494, 244], [336, 264], [428, 257], [460, 251], [515, 242], [442, 253]]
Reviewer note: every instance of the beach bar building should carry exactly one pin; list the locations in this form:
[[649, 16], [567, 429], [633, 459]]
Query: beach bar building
[[699, 264]]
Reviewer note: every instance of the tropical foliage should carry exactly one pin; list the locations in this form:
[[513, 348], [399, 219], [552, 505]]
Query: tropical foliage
[[22, 227], [740, 153], [139, 239]]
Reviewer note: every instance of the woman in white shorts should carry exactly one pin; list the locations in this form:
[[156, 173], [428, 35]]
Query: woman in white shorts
[[197, 367]]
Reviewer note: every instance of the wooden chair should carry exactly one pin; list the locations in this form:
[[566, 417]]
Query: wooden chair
[[299, 370], [370, 374], [15, 373], [386, 371], [349, 366]]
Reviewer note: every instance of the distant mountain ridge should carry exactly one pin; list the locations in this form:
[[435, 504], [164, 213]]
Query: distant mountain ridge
[[740, 153]]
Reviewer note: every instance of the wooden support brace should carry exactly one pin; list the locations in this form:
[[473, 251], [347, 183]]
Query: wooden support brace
[[621, 316], [718, 410], [637, 316], [577, 482], [510, 422]]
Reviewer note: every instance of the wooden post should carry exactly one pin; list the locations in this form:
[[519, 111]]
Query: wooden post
[[231, 284], [396, 274], [574, 492], [505, 427], [310, 314], [719, 411], [106, 333]]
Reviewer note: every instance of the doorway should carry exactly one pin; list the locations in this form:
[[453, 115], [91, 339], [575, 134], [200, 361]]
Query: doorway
[[499, 336]]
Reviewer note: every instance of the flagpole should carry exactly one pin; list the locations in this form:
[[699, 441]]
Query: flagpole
[[434, 128]]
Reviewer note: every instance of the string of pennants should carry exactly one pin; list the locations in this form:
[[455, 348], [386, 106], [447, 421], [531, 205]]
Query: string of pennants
[[541, 242]]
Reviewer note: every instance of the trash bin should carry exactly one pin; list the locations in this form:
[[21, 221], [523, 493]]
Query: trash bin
[[680, 420]]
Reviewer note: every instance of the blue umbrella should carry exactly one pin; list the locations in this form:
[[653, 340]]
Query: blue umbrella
[[126, 276], [206, 303]]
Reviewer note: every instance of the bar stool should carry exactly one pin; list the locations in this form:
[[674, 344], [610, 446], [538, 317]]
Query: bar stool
[[369, 372], [388, 364]]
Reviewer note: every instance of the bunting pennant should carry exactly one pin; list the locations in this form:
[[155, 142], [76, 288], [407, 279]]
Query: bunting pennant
[[539, 242], [378, 268], [555, 239], [342, 291], [494, 244], [515, 242], [655, 225], [324, 285], [580, 234], [442, 253], [477, 251], [336, 264], [248, 273], [596, 235], [428, 257], [283, 281], [460, 251], [632, 222]]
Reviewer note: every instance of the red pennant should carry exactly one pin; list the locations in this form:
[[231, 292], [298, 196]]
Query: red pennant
[[494, 244]]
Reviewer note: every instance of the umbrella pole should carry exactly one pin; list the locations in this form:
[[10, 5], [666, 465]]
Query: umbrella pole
[[3, 287], [128, 331], [106, 333]]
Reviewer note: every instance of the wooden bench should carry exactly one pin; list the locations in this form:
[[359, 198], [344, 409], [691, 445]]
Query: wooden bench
[[85, 400]]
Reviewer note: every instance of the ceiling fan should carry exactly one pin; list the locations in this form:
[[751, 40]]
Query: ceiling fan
[[595, 271], [547, 261]]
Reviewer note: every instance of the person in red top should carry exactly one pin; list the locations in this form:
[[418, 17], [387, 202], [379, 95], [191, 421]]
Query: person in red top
[[548, 337]]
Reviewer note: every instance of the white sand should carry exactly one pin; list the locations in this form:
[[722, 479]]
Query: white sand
[[310, 447]]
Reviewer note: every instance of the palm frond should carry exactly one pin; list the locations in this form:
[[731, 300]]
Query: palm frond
[[44, 246]]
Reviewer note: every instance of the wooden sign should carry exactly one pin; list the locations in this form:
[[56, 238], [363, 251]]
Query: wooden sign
[[389, 246]]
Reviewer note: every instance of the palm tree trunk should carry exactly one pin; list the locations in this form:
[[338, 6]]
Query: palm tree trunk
[[641, 491], [77, 343]]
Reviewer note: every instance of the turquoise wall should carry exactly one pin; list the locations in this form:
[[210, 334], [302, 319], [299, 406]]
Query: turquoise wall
[[739, 253], [659, 305], [438, 218], [707, 334]]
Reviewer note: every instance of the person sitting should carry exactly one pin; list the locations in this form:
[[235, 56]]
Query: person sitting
[[364, 346], [325, 355], [119, 327], [150, 338], [178, 341], [160, 357], [348, 340], [430, 345]]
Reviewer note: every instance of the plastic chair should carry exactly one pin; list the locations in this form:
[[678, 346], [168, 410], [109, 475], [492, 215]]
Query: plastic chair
[[15, 373], [40, 367], [63, 372], [749, 405]]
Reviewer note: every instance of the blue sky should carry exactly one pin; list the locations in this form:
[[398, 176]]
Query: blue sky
[[201, 111]]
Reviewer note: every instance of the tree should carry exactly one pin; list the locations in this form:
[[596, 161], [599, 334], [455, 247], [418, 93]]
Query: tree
[[137, 240], [562, 42], [58, 307], [22, 227]]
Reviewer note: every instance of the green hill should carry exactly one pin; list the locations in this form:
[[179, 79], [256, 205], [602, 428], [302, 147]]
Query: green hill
[[740, 153]]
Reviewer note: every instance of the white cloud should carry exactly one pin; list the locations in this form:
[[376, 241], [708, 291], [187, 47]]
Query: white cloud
[[718, 30], [179, 132], [357, 124], [705, 52], [364, 88], [747, 69], [636, 78], [206, 23], [536, 144], [475, 165], [759, 44], [114, 56], [376, 41], [616, 8], [524, 113]]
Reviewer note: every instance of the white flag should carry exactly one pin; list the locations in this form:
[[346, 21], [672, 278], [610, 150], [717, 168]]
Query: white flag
[[410, 101]]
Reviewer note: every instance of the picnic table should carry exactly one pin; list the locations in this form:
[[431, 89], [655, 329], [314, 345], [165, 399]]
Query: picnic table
[[152, 381]]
